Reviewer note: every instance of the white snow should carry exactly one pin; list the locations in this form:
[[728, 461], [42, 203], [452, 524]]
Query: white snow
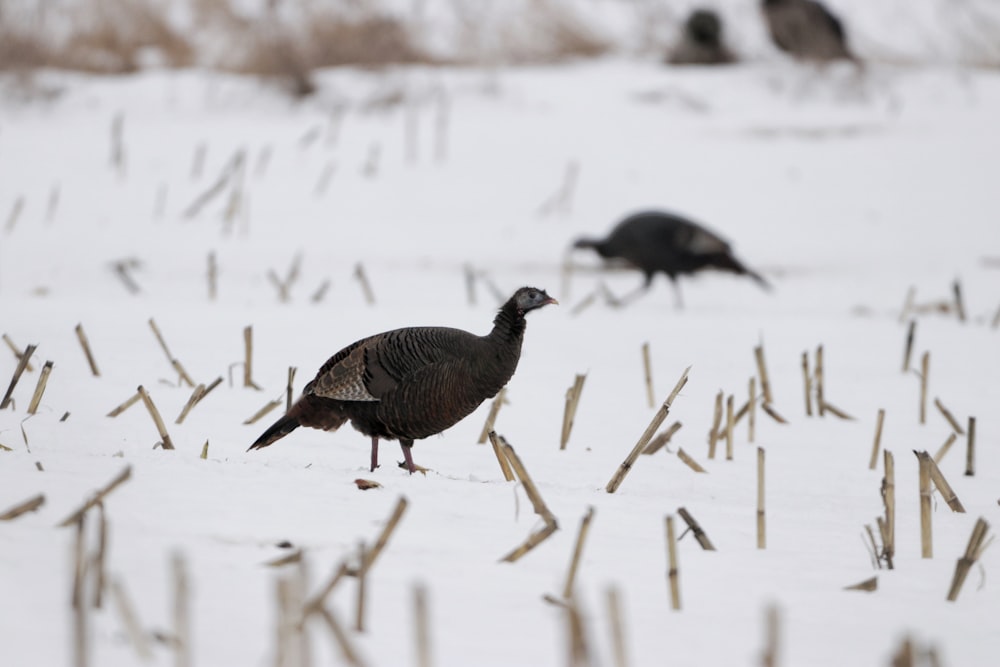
[[844, 189]]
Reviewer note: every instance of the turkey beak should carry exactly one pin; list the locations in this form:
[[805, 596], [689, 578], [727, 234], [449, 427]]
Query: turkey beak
[[550, 300]]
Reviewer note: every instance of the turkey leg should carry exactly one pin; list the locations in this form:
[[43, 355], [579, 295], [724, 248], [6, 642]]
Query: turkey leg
[[374, 453]]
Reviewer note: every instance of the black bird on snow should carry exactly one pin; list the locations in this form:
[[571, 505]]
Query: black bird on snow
[[701, 42], [411, 383], [657, 241], [806, 30]]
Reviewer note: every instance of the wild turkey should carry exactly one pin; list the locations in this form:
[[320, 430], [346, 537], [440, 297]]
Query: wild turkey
[[806, 30], [654, 241], [407, 384], [701, 41]]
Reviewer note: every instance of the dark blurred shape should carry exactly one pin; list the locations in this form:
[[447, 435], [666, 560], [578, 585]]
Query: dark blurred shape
[[701, 42], [806, 30], [657, 241]]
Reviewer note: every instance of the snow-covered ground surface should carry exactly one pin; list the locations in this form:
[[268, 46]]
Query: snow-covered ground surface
[[844, 189]]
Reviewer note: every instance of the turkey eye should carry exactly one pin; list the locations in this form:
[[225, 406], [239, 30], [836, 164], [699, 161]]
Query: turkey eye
[[533, 295]]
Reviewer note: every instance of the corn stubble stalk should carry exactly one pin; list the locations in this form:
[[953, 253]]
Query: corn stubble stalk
[[579, 649], [648, 374], [938, 479], [284, 286], [29, 505], [320, 293], [836, 412], [772, 637], [696, 529], [289, 388], [807, 383], [199, 393], [98, 497], [123, 269], [738, 416], [926, 541], [908, 348], [690, 462], [956, 288], [952, 437], [878, 439], [15, 214], [761, 521], [18, 353], [950, 418], [772, 413], [498, 443], [118, 143], [81, 644], [231, 173], [361, 589], [672, 570], [617, 627], [98, 563], [491, 418], [212, 276], [751, 405], [126, 610], [970, 449], [647, 435], [85, 344], [713, 433], [729, 427], [868, 585], [818, 382], [977, 545], [925, 364], [574, 563], [43, 379], [662, 439], [285, 626], [181, 613], [362, 277], [421, 626], [316, 603], [22, 364], [550, 526], [157, 419], [887, 524], [371, 555], [911, 294], [569, 413], [289, 559], [248, 358], [343, 641], [170, 358], [765, 383], [874, 546], [125, 405], [264, 410]]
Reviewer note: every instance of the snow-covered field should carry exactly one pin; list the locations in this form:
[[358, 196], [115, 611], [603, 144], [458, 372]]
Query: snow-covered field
[[844, 189]]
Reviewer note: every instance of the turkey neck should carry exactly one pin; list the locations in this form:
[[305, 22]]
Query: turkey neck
[[508, 326]]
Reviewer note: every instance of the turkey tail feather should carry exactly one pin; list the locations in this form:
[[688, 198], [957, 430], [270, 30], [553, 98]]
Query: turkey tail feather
[[277, 431]]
